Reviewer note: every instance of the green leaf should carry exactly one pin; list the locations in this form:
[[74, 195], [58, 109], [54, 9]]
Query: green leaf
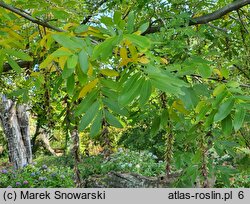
[[155, 126], [60, 14], [131, 21], [145, 93], [112, 120], [83, 60], [190, 99], [96, 125], [107, 21], [204, 70], [104, 49], [127, 97], [114, 106], [109, 83], [14, 65], [57, 85], [165, 86], [82, 78], [210, 119], [201, 115], [139, 40], [18, 54], [70, 85], [227, 126], [72, 61], [81, 29], [219, 89], [219, 98], [239, 117], [224, 109], [129, 83], [117, 17], [109, 93], [143, 27], [89, 116], [60, 53], [86, 103], [67, 72], [66, 41]]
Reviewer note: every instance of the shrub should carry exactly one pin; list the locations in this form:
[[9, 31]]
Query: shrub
[[33, 176]]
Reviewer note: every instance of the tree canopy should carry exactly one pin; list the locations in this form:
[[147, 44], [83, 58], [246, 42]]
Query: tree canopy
[[178, 69]]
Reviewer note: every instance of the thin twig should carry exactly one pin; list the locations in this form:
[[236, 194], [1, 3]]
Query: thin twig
[[219, 80]]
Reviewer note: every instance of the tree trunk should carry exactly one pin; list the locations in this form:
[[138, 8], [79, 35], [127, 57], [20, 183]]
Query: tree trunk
[[15, 122]]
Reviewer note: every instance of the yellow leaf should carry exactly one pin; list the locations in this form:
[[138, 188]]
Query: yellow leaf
[[143, 60], [137, 32], [218, 72], [199, 106], [99, 35], [31, 37], [43, 41], [219, 89], [133, 52], [34, 74], [13, 34], [88, 88], [109, 72], [47, 61], [178, 105], [127, 42], [164, 60], [62, 61], [90, 70], [116, 51], [52, 68], [93, 29], [124, 56], [123, 53], [68, 25]]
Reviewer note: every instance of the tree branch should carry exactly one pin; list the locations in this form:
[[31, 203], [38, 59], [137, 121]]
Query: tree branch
[[219, 80], [208, 17], [87, 19], [29, 17], [219, 13]]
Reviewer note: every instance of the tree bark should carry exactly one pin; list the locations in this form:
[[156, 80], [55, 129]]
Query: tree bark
[[15, 122]]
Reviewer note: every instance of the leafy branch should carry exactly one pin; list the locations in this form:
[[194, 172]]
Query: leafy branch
[[29, 17]]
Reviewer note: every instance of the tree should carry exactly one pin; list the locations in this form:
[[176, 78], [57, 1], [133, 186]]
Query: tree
[[15, 123], [108, 58]]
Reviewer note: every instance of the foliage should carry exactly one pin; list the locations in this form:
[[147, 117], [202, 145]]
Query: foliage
[[176, 87], [34, 176], [144, 163]]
